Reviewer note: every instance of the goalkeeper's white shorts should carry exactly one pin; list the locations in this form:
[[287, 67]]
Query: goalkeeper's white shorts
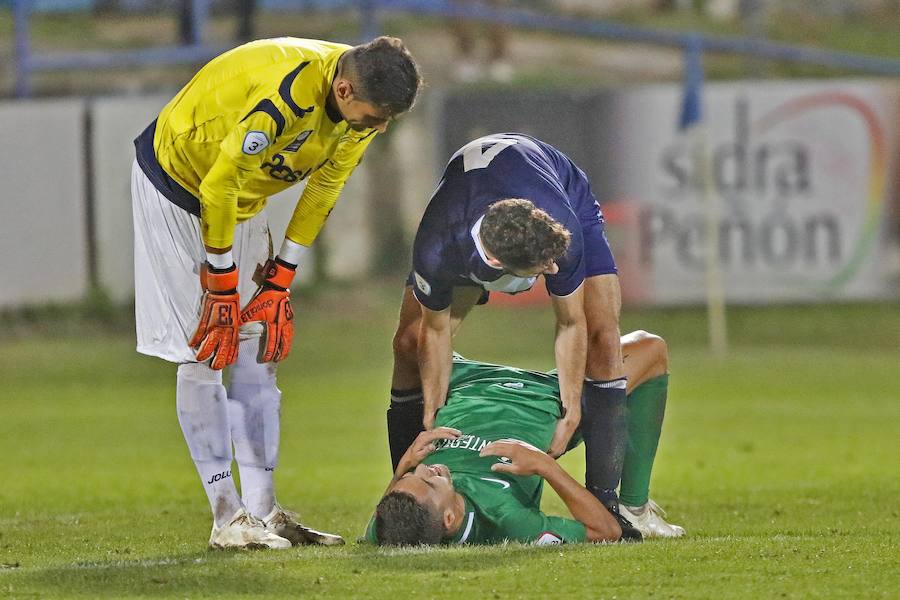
[[168, 252]]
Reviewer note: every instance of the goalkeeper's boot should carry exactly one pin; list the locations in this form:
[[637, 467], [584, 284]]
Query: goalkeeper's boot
[[648, 519], [245, 532], [285, 524], [630, 533]]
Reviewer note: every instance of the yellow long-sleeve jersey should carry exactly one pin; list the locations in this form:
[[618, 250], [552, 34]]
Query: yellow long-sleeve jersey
[[251, 123]]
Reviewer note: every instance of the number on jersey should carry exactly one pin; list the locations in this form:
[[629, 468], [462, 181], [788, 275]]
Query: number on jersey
[[478, 154]]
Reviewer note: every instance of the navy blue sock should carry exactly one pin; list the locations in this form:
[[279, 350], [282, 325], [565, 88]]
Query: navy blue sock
[[404, 421], [604, 427]]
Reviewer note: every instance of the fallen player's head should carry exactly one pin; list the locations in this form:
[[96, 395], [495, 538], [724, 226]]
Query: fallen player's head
[[421, 508], [525, 239]]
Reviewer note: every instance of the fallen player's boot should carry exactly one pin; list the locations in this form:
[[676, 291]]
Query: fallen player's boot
[[648, 519], [246, 532], [284, 523], [629, 532]]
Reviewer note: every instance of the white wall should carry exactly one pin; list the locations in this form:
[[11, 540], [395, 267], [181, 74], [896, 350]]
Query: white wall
[[43, 217], [115, 124]]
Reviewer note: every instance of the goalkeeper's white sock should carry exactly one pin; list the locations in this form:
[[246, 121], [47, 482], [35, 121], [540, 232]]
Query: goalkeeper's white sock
[[203, 414], [258, 490], [254, 408]]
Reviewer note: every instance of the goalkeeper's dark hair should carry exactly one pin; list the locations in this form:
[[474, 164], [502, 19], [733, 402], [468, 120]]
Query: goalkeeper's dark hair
[[522, 236], [400, 520], [384, 74]]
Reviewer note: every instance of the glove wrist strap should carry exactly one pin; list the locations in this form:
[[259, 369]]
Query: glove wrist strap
[[279, 273], [222, 281]]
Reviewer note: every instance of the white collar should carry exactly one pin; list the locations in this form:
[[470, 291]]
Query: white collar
[[470, 520], [476, 237]]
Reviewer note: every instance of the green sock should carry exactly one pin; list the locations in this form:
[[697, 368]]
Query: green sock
[[646, 408]]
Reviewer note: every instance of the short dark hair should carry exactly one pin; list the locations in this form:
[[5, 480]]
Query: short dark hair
[[400, 520], [522, 236], [385, 74]]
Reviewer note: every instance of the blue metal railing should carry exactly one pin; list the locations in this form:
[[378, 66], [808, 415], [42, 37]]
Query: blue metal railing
[[369, 11], [28, 63], [524, 19]]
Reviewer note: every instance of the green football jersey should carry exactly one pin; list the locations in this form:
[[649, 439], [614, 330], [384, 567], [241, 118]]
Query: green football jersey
[[488, 403]]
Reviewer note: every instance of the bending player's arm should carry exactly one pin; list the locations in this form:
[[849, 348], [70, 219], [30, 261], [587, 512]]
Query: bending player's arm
[[571, 353], [324, 187], [435, 354], [216, 337], [272, 303], [240, 154], [528, 460]]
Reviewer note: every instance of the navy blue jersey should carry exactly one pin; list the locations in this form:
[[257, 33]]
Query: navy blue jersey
[[446, 252]]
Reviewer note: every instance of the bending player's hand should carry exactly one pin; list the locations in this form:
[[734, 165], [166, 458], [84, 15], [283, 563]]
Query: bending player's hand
[[217, 333], [565, 429], [272, 306], [524, 459], [423, 445]]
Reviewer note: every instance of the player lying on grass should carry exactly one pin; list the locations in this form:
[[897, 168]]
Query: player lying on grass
[[477, 477]]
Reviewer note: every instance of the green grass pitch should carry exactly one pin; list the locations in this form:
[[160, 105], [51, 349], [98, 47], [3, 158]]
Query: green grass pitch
[[781, 460]]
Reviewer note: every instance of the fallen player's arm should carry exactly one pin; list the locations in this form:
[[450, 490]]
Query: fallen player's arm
[[528, 460], [422, 446], [435, 353], [571, 353]]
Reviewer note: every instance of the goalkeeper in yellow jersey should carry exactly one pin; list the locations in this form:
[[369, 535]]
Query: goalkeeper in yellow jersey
[[208, 292]]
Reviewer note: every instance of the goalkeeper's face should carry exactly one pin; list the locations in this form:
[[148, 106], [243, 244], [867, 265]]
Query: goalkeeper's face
[[428, 484]]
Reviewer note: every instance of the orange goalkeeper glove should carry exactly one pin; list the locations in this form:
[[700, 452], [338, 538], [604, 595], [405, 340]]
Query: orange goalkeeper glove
[[272, 306], [217, 332]]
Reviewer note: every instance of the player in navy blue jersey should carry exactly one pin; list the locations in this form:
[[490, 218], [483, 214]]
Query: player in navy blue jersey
[[508, 209]]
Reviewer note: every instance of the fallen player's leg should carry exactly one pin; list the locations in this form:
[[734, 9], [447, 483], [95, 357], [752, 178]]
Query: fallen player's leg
[[647, 364]]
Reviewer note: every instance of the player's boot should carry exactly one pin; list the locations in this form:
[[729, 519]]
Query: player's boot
[[284, 523], [246, 532], [629, 532], [648, 519]]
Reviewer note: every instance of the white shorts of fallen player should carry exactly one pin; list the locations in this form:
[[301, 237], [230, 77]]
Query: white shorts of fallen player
[[168, 252]]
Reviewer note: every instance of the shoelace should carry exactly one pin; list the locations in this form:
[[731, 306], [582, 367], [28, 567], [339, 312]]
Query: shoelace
[[655, 508], [250, 520], [283, 516]]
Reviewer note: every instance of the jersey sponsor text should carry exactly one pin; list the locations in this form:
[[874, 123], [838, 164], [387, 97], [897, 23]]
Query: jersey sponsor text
[[464, 442]]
